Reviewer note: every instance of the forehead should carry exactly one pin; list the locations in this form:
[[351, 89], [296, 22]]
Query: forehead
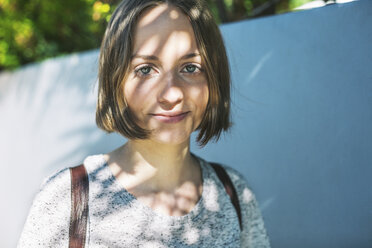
[[164, 28]]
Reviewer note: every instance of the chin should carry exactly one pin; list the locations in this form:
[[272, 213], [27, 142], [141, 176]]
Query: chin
[[171, 138]]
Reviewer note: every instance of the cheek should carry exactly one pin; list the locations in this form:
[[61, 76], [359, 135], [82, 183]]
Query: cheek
[[129, 92], [200, 95], [135, 100], [136, 94]]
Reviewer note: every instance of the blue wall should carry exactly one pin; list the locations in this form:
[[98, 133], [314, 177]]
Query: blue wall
[[302, 136], [303, 122]]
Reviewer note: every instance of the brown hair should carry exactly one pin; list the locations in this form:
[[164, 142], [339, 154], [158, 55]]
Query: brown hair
[[113, 114]]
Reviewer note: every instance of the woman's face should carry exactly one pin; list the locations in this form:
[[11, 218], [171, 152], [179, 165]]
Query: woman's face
[[166, 89]]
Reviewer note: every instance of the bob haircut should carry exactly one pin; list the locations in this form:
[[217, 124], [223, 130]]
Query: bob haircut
[[113, 114]]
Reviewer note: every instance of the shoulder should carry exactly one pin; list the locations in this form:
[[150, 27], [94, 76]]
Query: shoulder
[[94, 163], [56, 179], [61, 179], [57, 187], [46, 224], [245, 192], [54, 187], [254, 233], [240, 184], [247, 198]]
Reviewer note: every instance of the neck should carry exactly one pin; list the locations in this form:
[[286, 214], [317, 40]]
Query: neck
[[154, 166]]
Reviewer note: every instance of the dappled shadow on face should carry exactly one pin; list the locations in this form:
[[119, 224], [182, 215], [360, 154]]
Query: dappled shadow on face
[[164, 44]]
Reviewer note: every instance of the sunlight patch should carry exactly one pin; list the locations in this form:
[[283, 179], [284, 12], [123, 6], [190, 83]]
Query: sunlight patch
[[174, 14], [212, 203], [191, 235], [247, 195], [195, 13], [152, 244]]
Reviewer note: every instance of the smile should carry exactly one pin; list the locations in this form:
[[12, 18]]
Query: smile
[[170, 117]]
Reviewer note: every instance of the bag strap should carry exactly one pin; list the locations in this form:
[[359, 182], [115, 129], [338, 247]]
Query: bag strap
[[229, 188], [79, 206]]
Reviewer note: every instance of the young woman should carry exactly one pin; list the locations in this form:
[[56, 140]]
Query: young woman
[[163, 74]]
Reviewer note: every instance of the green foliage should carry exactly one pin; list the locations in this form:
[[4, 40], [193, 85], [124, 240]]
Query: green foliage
[[32, 30], [296, 3]]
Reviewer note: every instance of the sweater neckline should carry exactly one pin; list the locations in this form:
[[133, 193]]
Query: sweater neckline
[[148, 211]]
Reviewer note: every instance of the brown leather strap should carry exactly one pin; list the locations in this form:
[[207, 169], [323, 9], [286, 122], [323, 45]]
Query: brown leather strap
[[79, 206], [229, 188]]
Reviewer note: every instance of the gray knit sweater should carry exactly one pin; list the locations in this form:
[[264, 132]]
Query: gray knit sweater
[[117, 219]]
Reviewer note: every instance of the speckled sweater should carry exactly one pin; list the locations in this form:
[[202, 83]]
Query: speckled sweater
[[118, 219]]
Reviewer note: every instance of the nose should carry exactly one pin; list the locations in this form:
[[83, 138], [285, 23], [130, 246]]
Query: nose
[[171, 92]]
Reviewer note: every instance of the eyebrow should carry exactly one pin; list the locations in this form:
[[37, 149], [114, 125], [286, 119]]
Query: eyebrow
[[153, 57]]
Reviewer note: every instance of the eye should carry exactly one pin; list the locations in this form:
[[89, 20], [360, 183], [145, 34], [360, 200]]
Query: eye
[[144, 70], [191, 68]]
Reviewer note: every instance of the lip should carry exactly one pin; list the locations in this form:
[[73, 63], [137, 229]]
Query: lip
[[171, 117]]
